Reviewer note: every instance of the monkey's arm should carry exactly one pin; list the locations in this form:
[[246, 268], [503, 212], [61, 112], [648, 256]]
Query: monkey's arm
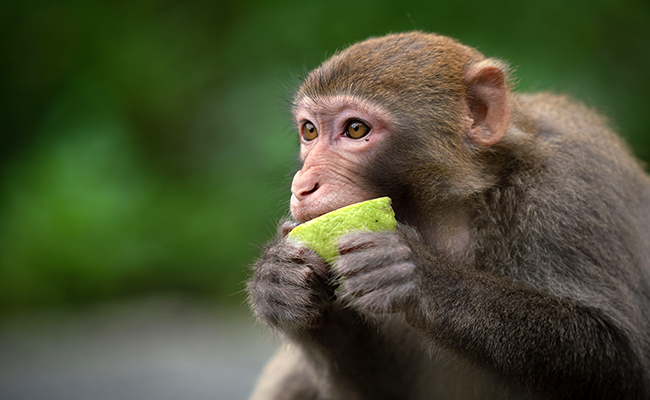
[[292, 291], [554, 346]]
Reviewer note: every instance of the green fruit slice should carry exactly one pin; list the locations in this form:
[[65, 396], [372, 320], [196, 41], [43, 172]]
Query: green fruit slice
[[322, 234]]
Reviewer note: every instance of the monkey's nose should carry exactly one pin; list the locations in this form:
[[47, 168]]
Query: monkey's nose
[[301, 194], [304, 183]]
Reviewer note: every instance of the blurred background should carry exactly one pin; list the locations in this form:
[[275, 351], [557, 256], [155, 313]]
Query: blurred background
[[146, 152]]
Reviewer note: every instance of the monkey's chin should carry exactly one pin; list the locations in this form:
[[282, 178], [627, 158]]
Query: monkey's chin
[[303, 210]]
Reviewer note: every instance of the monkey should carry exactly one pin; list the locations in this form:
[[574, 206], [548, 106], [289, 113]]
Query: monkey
[[520, 266]]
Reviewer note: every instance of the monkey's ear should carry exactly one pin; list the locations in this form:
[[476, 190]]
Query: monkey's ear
[[488, 104]]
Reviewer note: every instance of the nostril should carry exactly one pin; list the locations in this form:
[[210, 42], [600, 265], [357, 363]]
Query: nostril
[[301, 194], [315, 188]]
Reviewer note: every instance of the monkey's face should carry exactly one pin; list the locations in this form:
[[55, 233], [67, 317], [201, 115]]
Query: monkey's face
[[338, 135]]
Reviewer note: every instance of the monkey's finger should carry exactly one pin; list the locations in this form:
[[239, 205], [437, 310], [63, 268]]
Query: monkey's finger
[[323, 270], [286, 275], [293, 251], [365, 260], [359, 241], [378, 279], [289, 308], [385, 300]]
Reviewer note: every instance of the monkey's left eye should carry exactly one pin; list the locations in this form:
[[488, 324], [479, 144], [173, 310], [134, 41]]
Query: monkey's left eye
[[309, 131], [357, 130]]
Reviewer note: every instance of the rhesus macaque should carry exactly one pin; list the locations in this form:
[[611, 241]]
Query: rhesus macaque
[[521, 263]]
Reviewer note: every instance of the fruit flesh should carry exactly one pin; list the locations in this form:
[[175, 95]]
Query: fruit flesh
[[322, 234]]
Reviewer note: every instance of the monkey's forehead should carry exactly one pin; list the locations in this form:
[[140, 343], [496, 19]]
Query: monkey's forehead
[[395, 65], [333, 102]]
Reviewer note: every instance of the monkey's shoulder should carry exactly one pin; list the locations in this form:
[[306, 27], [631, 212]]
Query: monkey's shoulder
[[574, 137], [563, 116]]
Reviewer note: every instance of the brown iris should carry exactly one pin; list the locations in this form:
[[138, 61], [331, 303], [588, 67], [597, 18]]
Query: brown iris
[[357, 130], [309, 131]]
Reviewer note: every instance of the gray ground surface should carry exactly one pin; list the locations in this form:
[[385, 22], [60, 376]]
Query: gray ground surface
[[154, 349]]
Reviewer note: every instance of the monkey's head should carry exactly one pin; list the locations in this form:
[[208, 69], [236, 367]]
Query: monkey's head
[[413, 105]]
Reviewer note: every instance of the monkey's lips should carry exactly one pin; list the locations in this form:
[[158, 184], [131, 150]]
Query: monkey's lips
[[319, 203]]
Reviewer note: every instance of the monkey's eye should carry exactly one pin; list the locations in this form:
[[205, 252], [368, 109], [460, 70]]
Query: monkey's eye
[[309, 131], [357, 130]]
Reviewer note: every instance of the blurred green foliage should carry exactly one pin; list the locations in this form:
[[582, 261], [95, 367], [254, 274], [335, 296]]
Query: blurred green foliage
[[145, 146]]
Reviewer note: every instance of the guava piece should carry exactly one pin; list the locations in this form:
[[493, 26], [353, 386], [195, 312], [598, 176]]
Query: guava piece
[[322, 234]]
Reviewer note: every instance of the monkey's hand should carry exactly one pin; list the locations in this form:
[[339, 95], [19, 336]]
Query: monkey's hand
[[378, 272], [291, 285]]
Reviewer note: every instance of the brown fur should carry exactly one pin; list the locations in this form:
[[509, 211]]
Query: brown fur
[[521, 264]]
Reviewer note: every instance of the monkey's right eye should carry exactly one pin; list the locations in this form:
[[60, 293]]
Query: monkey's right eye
[[309, 131]]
